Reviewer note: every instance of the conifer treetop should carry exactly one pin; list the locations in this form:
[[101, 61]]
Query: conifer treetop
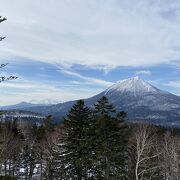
[[103, 106]]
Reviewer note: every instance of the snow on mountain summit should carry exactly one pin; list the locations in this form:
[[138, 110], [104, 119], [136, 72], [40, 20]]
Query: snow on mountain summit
[[134, 85]]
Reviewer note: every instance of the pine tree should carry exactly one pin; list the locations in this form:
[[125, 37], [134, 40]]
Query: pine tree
[[110, 141], [103, 107], [75, 149]]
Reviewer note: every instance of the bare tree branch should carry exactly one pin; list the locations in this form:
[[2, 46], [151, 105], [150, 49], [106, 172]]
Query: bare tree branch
[[2, 19], [144, 144]]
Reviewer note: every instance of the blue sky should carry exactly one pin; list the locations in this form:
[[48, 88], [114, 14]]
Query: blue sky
[[69, 49]]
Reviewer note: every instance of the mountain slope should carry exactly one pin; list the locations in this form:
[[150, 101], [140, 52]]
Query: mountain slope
[[141, 100], [21, 105], [144, 102]]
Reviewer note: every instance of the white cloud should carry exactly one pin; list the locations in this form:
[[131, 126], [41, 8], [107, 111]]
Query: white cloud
[[145, 72], [90, 80], [104, 33], [174, 84], [24, 90]]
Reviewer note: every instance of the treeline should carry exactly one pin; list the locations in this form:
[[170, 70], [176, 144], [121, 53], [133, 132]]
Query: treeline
[[91, 144]]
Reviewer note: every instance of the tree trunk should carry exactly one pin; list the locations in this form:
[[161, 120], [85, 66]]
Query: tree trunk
[[0, 169], [9, 164], [5, 168], [79, 174], [41, 169], [136, 170], [107, 169], [31, 170], [50, 173], [13, 164]]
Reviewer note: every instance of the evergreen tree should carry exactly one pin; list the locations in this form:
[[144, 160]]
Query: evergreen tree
[[103, 107], [75, 151], [110, 141]]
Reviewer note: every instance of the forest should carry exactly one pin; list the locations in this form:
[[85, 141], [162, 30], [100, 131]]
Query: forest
[[91, 143]]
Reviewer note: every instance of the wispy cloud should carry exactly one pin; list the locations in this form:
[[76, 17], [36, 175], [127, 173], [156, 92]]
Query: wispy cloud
[[107, 33], [145, 72], [91, 80]]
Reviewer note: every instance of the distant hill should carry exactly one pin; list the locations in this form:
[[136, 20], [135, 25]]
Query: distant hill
[[21, 105], [141, 100]]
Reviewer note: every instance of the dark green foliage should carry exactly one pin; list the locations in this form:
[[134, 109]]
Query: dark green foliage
[[110, 141], [103, 107], [75, 155], [94, 145]]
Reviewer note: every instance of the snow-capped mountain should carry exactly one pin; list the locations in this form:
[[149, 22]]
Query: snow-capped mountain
[[138, 93], [134, 85], [141, 100]]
